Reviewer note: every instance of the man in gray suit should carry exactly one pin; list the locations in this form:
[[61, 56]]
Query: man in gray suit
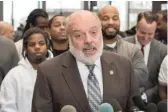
[[66, 79], [9, 56], [153, 50], [109, 17]]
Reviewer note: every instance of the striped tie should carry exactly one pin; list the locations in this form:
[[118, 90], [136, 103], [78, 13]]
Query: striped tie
[[94, 96]]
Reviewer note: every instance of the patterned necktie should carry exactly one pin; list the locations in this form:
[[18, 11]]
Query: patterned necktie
[[94, 95]]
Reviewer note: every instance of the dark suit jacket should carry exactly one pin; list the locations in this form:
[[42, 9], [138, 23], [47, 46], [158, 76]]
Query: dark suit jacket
[[156, 55], [2, 75], [59, 83]]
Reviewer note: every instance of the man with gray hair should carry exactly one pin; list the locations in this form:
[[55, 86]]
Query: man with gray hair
[[85, 76]]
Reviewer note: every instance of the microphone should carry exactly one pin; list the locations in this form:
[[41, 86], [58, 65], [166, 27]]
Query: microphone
[[139, 103], [114, 106], [162, 106], [134, 109], [151, 107], [106, 107], [68, 108]]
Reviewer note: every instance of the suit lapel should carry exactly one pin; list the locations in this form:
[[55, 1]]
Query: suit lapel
[[72, 77], [151, 56]]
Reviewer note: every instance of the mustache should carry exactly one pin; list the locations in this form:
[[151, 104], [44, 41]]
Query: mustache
[[111, 26], [89, 46]]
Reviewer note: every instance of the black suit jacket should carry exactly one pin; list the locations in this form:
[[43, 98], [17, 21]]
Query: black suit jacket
[[59, 83]]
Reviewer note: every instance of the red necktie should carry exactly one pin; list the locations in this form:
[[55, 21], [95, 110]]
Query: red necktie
[[142, 49]]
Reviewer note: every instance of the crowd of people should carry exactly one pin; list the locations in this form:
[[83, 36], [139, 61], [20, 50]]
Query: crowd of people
[[84, 60]]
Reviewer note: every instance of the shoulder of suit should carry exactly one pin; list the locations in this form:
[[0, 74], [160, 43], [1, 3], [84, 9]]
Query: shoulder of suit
[[129, 38], [159, 45], [6, 41], [55, 60], [8, 44], [113, 57], [129, 45]]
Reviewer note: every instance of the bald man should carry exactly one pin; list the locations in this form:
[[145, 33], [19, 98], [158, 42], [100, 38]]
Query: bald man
[[110, 21], [6, 30], [85, 76]]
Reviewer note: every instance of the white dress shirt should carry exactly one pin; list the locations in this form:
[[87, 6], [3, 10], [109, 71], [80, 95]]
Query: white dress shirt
[[163, 72], [146, 50], [84, 72], [113, 45]]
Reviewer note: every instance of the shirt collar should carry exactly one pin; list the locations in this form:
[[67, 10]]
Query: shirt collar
[[97, 63]]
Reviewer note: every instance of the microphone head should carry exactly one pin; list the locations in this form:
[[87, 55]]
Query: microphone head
[[139, 102], [134, 109], [151, 107], [68, 108], [106, 107], [116, 105], [162, 106]]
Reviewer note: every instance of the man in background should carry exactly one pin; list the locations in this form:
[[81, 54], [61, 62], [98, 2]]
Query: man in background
[[161, 32], [153, 51], [6, 30], [110, 20], [59, 40], [36, 18], [17, 88]]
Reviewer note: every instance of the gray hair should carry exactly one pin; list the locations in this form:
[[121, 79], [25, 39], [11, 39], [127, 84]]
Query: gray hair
[[68, 19]]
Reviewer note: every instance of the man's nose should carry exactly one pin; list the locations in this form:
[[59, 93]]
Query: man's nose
[[37, 46], [63, 27], [88, 38], [110, 21], [146, 37]]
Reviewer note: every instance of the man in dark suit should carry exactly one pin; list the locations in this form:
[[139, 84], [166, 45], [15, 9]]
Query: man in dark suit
[[66, 79], [154, 51], [161, 32]]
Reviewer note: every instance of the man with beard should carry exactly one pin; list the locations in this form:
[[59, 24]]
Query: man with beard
[[36, 18], [59, 41], [109, 17], [18, 85], [85, 75], [161, 32]]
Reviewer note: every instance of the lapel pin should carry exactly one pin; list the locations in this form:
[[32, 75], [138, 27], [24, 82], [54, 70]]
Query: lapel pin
[[111, 72]]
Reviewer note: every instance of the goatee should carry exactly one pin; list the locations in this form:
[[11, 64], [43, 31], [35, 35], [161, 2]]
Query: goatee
[[109, 36]]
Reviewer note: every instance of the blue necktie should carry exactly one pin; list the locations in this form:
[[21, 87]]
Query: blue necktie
[[94, 95]]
